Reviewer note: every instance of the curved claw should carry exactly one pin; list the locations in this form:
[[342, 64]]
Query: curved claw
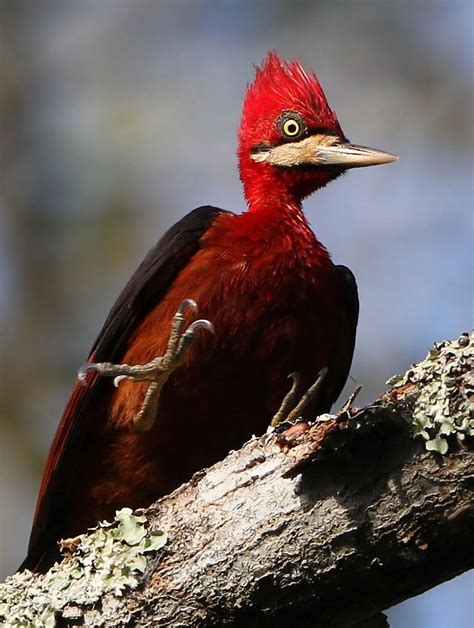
[[201, 323], [295, 379], [187, 304], [119, 379]]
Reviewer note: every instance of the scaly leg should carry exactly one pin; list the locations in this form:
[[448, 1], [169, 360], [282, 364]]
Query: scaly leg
[[158, 370], [284, 413]]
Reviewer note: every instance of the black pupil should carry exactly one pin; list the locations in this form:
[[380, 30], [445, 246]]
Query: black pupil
[[292, 128]]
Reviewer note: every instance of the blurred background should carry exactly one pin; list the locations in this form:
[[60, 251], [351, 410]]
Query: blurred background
[[117, 118]]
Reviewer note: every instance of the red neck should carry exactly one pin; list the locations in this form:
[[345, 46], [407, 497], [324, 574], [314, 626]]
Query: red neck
[[275, 216], [264, 187]]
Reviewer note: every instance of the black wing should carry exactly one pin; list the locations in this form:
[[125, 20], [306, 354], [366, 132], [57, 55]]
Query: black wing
[[144, 290], [343, 351], [151, 280]]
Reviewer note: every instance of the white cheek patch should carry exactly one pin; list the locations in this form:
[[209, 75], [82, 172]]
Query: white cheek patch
[[304, 152]]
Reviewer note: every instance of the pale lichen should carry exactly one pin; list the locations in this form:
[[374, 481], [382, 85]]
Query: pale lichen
[[444, 404], [110, 559]]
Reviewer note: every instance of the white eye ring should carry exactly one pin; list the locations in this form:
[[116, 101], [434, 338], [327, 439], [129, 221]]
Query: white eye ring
[[291, 127]]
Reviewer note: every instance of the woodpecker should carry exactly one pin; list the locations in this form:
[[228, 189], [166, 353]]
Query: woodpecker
[[271, 303]]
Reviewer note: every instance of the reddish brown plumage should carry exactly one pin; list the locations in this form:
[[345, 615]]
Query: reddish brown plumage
[[278, 305]]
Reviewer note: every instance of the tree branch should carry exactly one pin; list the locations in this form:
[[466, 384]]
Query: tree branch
[[324, 526]]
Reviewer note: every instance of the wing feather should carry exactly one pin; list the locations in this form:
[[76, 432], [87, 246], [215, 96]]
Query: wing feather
[[343, 351], [143, 291]]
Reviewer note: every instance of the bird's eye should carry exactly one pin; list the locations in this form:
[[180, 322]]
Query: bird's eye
[[291, 125], [291, 128]]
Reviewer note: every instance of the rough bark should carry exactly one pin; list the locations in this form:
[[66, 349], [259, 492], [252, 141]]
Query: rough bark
[[325, 526]]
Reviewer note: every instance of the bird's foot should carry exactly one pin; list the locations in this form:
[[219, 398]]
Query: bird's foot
[[158, 370], [288, 412]]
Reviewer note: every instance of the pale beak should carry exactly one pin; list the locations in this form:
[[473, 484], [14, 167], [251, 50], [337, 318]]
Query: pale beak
[[347, 155], [322, 150]]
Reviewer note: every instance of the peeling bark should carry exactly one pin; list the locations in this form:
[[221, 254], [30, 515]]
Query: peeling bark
[[325, 526]]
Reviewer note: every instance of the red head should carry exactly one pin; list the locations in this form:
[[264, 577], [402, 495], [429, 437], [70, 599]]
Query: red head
[[290, 141]]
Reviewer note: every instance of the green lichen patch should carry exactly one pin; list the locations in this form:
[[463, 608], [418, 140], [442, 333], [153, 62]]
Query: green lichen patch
[[109, 559], [444, 406]]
